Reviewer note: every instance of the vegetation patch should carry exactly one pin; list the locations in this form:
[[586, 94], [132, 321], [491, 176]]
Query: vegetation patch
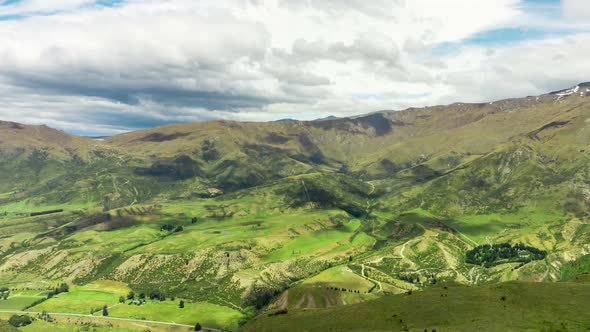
[[20, 320], [490, 255], [576, 270]]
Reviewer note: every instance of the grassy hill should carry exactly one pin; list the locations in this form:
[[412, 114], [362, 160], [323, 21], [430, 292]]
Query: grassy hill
[[503, 307], [239, 218]]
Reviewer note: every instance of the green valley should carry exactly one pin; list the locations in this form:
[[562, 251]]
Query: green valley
[[443, 218]]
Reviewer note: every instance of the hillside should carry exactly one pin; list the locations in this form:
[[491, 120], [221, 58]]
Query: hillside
[[237, 218], [503, 307]]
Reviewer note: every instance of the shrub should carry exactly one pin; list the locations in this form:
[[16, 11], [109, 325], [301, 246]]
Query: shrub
[[35, 303], [20, 320], [278, 312]]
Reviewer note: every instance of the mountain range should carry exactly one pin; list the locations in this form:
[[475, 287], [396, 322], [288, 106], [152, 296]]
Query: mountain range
[[291, 215]]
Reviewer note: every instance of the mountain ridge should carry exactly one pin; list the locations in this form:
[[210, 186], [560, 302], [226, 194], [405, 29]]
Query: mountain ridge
[[328, 118]]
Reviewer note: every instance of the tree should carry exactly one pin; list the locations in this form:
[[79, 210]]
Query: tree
[[181, 304], [45, 316], [198, 327], [105, 311], [20, 320], [194, 220], [167, 227], [64, 288], [131, 295], [5, 295], [121, 299]]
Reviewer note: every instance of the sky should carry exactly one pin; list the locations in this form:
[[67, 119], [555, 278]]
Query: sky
[[102, 67]]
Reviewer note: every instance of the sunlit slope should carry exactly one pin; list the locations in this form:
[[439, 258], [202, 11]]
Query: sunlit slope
[[501, 307]]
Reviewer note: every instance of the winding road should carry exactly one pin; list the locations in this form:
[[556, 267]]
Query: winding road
[[401, 252], [371, 280]]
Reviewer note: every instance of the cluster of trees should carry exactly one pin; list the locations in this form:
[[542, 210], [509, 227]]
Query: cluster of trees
[[171, 228], [4, 292], [20, 320], [411, 278], [415, 278], [154, 294], [63, 288], [45, 316], [490, 255], [344, 290]]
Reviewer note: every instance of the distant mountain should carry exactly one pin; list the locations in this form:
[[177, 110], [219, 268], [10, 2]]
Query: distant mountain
[[582, 88], [328, 118]]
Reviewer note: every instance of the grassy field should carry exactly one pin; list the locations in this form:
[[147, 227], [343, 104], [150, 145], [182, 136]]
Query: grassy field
[[340, 277], [332, 287], [315, 244], [18, 302], [206, 314], [510, 306], [481, 227], [78, 301], [93, 296], [20, 299], [87, 324]]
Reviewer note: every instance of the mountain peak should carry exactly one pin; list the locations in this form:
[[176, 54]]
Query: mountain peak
[[583, 89]]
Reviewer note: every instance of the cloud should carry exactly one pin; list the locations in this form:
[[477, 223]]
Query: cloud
[[27, 7], [576, 9], [367, 49], [88, 66]]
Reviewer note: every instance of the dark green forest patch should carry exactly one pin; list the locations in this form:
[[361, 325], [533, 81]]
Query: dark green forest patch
[[491, 255]]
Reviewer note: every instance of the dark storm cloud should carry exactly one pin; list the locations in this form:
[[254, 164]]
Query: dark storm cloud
[[132, 91]]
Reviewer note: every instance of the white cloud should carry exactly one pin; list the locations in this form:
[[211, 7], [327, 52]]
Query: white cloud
[[147, 62], [25, 7], [576, 9]]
